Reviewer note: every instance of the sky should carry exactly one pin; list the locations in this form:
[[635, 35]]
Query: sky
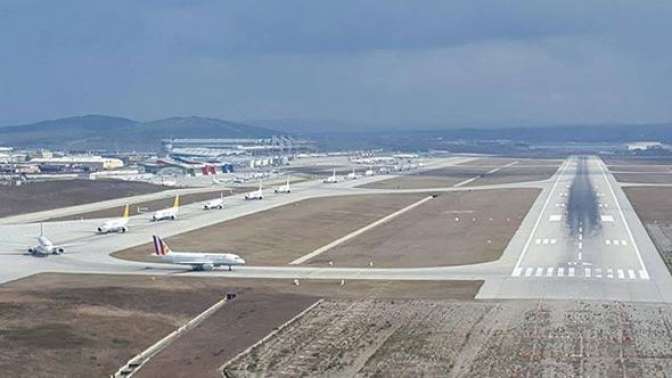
[[404, 64]]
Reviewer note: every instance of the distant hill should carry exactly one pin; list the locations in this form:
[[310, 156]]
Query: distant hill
[[115, 133]]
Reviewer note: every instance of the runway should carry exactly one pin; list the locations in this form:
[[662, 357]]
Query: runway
[[580, 240]]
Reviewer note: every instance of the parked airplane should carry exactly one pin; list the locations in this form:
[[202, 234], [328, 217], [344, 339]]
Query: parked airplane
[[369, 172], [331, 179], [115, 225], [217, 203], [169, 213], [283, 188], [256, 195], [197, 261], [353, 175]]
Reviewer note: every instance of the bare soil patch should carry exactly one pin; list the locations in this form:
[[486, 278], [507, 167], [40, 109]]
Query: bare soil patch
[[467, 339], [47, 195], [644, 178], [654, 209], [280, 235], [90, 325], [516, 174], [150, 206], [435, 178], [455, 228], [640, 168]]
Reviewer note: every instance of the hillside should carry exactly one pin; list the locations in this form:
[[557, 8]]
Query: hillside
[[116, 133]]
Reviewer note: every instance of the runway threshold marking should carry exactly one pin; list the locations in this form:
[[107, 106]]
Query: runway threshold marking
[[356, 233], [625, 222], [517, 270]]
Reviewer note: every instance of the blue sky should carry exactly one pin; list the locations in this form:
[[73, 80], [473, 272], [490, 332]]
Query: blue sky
[[410, 64]]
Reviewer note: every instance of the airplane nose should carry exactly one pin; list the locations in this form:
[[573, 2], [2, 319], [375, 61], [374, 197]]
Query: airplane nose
[[242, 261]]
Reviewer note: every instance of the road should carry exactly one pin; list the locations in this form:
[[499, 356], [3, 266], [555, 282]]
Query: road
[[580, 240]]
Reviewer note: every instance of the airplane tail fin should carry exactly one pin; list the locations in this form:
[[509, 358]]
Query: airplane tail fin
[[160, 247], [126, 211], [176, 204], [41, 229]]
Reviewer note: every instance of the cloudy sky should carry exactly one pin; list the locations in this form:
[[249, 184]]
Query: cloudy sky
[[402, 63]]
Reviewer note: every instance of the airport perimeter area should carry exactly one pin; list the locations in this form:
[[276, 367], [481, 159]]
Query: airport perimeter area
[[467, 266]]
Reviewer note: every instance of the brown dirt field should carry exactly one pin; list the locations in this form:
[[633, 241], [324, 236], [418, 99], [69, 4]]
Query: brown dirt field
[[280, 235], [490, 162], [39, 196], [641, 168], [150, 206], [644, 178], [435, 178], [636, 161], [374, 338], [429, 235], [516, 174], [89, 325], [652, 205], [654, 209], [236, 326], [500, 161]]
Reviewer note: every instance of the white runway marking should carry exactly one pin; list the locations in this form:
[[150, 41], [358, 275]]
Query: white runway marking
[[587, 272], [607, 218], [553, 241], [543, 210], [516, 272], [561, 272], [555, 218], [598, 273], [539, 272], [607, 242], [549, 272], [631, 274], [571, 272], [545, 241], [643, 275], [610, 273], [528, 272], [625, 222], [621, 275]]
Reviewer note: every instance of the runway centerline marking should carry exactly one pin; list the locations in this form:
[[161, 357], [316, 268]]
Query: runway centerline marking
[[541, 215]]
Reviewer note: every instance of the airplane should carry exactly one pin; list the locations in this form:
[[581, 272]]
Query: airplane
[[197, 260], [352, 175], [215, 181], [115, 225], [217, 203], [369, 172], [331, 179], [169, 213], [256, 195], [45, 247], [283, 188]]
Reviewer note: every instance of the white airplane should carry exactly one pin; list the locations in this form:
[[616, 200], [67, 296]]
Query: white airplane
[[352, 175], [369, 172], [115, 225], [197, 261], [169, 213], [45, 247], [331, 179], [215, 181], [217, 203], [256, 195], [283, 188]]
